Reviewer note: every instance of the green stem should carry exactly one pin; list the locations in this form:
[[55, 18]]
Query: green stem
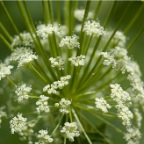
[[59, 122], [75, 78], [98, 75], [56, 50], [105, 73], [11, 20], [108, 123], [11, 81], [53, 48], [85, 94], [70, 115], [31, 28], [91, 58], [6, 42], [58, 10], [110, 14], [84, 132], [70, 5], [41, 68], [84, 20], [29, 23], [71, 19], [65, 139], [35, 71], [89, 75], [33, 96], [99, 39], [5, 32], [66, 16], [107, 82], [88, 45], [93, 112], [97, 130], [50, 11], [97, 9], [133, 20], [135, 38], [45, 11]]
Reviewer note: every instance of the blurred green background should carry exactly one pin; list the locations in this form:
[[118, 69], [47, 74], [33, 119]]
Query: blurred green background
[[35, 7]]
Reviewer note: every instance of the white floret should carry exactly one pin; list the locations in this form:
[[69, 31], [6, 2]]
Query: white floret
[[118, 94], [18, 124], [138, 116], [22, 93], [64, 105], [77, 61], [43, 31], [5, 70], [117, 57], [93, 28], [43, 137], [132, 136], [42, 104], [70, 41], [125, 114], [119, 39], [70, 130], [79, 14], [23, 56], [26, 40], [57, 62], [52, 89], [102, 104]]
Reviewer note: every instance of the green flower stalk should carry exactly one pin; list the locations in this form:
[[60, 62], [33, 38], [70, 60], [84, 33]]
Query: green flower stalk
[[70, 79]]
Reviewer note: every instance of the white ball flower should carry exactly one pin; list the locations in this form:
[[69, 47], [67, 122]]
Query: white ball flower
[[42, 104], [70, 130]]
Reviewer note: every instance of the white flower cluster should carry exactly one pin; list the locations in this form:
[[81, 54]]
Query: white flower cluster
[[5, 70], [134, 76], [70, 41], [52, 89], [43, 137], [125, 114], [93, 28], [138, 116], [120, 60], [26, 40], [42, 104], [44, 30], [64, 105], [70, 130], [57, 62], [18, 124], [118, 94], [79, 14], [132, 136], [102, 104], [117, 57], [22, 93], [121, 97], [2, 113], [23, 56], [119, 39], [78, 60]]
